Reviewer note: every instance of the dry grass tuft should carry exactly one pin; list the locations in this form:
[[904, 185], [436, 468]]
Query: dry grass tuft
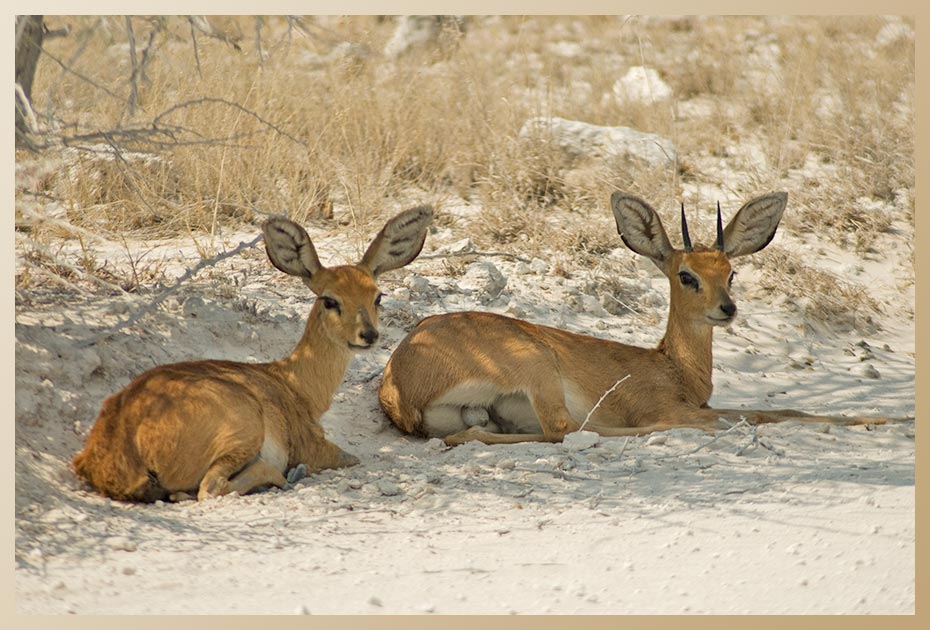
[[821, 297], [311, 118]]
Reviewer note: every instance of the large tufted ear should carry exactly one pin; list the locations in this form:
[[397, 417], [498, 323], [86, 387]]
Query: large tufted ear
[[754, 225], [641, 228], [289, 248], [399, 241]]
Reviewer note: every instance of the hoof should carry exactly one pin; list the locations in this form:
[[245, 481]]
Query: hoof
[[296, 473]]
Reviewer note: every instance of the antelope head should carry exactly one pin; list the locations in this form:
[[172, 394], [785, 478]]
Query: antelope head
[[349, 301], [700, 277]]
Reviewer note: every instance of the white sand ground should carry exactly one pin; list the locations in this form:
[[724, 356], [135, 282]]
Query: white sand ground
[[802, 520]]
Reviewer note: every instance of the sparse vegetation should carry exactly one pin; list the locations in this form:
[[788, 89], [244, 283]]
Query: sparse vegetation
[[164, 127]]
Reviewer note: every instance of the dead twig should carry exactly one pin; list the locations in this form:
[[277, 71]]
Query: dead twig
[[742, 423], [202, 24], [755, 441], [69, 267], [600, 400], [207, 100], [151, 306], [477, 254]]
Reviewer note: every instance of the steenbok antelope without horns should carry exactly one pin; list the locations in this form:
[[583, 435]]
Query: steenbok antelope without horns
[[215, 427], [481, 376]]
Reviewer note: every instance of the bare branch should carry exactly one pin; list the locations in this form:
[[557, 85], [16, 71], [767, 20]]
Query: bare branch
[[600, 400], [75, 270], [25, 107], [202, 24], [733, 427], [134, 77], [190, 273], [201, 101], [196, 52], [476, 254], [90, 81], [138, 67], [259, 22]]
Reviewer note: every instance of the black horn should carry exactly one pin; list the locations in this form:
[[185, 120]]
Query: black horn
[[684, 229], [719, 229]]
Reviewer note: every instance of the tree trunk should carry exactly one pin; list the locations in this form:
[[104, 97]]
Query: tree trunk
[[29, 32]]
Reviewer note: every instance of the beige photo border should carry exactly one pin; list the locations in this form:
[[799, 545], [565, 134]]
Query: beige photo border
[[474, 7]]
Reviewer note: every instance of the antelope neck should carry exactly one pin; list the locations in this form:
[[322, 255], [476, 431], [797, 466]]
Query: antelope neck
[[689, 346], [318, 364]]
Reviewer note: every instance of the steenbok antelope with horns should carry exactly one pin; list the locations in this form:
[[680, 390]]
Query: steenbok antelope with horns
[[482, 376], [215, 427]]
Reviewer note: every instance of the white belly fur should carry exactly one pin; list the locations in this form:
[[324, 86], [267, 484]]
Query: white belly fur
[[516, 414], [274, 454]]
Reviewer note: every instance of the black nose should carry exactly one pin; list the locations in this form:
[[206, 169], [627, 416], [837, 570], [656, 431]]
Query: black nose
[[728, 308], [370, 335]]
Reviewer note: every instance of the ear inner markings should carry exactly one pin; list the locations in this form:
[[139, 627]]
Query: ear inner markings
[[400, 241]]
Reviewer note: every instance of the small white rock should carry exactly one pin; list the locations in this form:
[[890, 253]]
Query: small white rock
[[417, 284], [388, 488], [580, 440], [435, 444], [658, 438], [590, 305], [483, 278], [643, 85], [539, 266], [463, 246]]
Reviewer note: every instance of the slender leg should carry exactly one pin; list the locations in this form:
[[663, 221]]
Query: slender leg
[[481, 435], [256, 475], [765, 416], [218, 480]]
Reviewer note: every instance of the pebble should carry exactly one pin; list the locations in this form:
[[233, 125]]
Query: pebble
[[484, 279], [580, 440], [539, 266], [120, 543], [656, 439], [388, 488], [435, 444], [417, 284]]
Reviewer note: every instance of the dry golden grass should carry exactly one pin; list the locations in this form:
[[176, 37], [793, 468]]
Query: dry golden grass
[[292, 124]]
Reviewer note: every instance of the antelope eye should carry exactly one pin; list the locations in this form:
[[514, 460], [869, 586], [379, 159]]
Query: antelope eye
[[378, 300], [730, 281], [330, 304], [687, 279]]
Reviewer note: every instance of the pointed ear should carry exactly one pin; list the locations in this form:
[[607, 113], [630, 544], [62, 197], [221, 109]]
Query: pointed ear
[[754, 225], [399, 241], [289, 248], [641, 228]]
